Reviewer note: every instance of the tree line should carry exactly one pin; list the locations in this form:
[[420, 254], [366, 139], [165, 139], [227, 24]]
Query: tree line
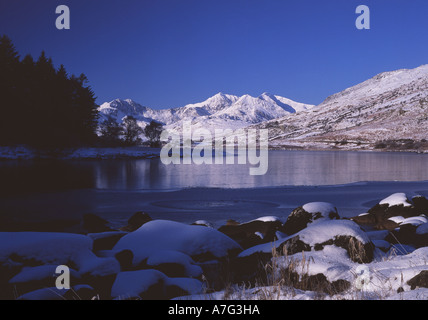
[[42, 106], [45, 107], [128, 132]]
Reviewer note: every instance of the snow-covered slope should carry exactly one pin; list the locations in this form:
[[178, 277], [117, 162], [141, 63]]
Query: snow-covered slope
[[220, 111], [390, 106]]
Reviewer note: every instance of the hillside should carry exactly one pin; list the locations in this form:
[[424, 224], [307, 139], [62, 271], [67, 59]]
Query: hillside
[[388, 111]]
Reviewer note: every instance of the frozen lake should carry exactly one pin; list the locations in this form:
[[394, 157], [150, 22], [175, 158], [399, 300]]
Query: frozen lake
[[353, 181]]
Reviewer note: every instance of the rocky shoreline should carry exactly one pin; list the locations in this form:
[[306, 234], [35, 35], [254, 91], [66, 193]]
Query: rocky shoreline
[[380, 254]]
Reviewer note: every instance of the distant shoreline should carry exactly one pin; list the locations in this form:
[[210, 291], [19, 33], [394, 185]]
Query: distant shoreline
[[23, 153]]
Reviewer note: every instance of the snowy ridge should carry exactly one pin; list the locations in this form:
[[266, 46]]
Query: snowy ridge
[[390, 106], [219, 111]]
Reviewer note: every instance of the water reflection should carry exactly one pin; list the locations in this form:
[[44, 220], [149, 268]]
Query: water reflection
[[285, 168]]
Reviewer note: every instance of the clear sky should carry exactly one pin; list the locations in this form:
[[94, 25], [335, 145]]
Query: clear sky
[[168, 53]]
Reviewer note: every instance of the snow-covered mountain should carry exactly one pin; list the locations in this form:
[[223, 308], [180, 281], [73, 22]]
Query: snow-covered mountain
[[219, 111], [389, 106]]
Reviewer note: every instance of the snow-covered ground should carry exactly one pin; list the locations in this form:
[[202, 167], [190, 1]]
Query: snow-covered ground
[[27, 153], [164, 259]]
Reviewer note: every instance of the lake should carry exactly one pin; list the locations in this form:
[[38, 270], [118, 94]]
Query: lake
[[117, 188]]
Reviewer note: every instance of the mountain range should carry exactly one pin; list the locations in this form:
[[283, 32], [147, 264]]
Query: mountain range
[[219, 111], [391, 106]]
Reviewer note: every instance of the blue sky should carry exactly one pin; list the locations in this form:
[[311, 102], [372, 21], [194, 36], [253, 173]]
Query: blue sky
[[167, 53]]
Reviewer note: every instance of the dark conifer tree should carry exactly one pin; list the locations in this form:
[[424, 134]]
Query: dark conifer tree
[[41, 106], [9, 89]]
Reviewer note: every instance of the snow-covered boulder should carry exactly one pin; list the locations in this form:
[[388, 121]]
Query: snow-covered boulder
[[199, 242], [92, 223], [173, 264], [248, 234], [307, 214], [45, 248], [390, 212], [152, 284], [410, 231], [396, 199], [340, 233]]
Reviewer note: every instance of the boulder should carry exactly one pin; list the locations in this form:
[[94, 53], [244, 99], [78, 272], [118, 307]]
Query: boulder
[[172, 264], [136, 221], [105, 240], [309, 213], [250, 263], [93, 224], [420, 280], [252, 233], [34, 278], [364, 219], [411, 231], [389, 212], [198, 242], [345, 234], [421, 204]]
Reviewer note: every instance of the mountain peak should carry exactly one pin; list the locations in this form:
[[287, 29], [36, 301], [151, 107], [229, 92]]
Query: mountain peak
[[221, 110]]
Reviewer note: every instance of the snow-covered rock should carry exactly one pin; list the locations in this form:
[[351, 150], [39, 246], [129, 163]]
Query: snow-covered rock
[[396, 199], [394, 211], [174, 264], [152, 284], [39, 273], [341, 233], [45, 248], [254, 232], [307, 214], [160, 235]]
